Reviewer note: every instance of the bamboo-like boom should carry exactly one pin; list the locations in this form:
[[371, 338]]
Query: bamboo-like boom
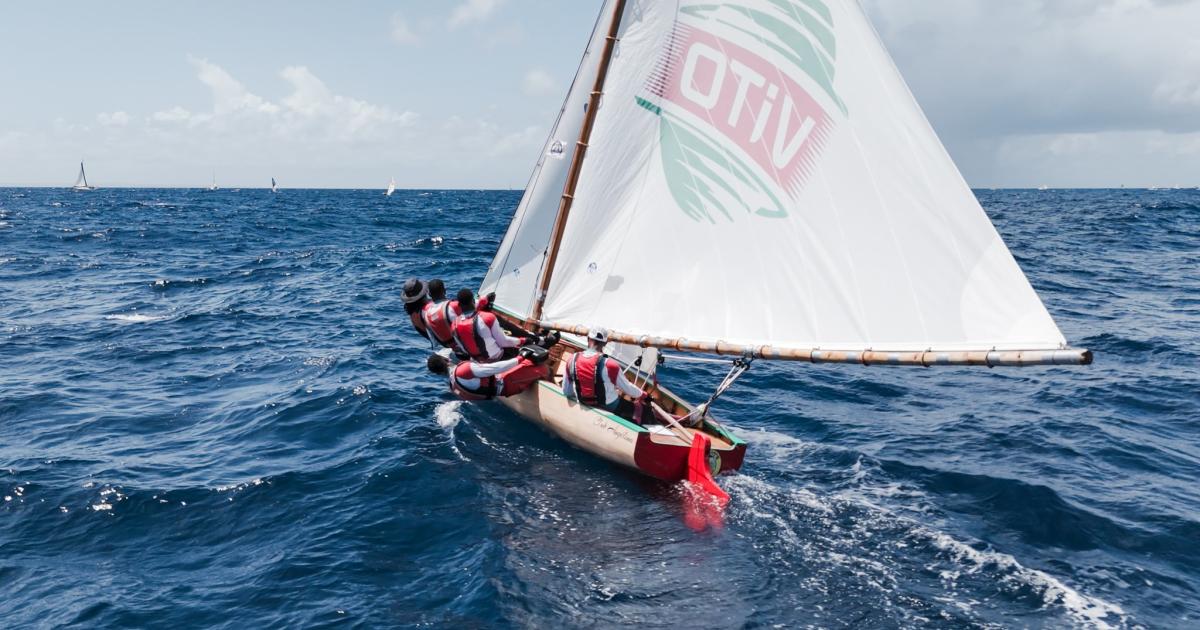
[[982, 358], [581, 147]]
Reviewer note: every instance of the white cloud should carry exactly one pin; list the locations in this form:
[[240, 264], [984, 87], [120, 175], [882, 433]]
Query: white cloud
[[175, 114], [472, 11], [402, 33], [1063, 77], [483, 137], [311, 104], [310, 113], [229, 95], [538, 82], [115, 119]]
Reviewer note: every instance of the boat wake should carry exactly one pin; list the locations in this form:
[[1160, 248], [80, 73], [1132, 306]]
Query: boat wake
[[850, 539]]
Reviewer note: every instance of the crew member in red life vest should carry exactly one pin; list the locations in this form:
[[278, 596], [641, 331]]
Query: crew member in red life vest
[[439, 315], [415, 296], [475, 381], [477, 332], [594, 379]]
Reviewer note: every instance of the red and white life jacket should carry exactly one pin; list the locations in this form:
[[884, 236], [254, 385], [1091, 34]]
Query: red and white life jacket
[[466, 385], [466, 336], [588, 372], [439, 320], [472, 332]]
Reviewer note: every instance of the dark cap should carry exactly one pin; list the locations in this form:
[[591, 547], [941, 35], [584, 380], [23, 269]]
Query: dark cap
[[415, 290]]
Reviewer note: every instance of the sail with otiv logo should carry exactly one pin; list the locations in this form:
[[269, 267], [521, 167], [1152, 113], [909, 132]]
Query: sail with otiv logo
[[759, 179]]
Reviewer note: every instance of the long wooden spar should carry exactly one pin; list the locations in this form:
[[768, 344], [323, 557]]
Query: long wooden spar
[[581, 147], [930, 358]]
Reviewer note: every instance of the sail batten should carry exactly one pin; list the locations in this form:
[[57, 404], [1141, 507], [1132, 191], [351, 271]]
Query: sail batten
[[760, 176]]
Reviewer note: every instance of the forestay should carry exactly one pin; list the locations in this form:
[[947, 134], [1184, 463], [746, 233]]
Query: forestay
[[759, 174]]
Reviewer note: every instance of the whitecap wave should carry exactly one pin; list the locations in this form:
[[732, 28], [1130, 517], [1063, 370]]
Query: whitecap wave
[[135, 318], [794, 513], [449, 414], [1086, 610]]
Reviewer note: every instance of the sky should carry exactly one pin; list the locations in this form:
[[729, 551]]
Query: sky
[[461, 93]]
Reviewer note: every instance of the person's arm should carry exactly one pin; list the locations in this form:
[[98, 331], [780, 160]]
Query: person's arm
[[485, 370], [418, 321], [628, 387], [568, 383], [502, 339]]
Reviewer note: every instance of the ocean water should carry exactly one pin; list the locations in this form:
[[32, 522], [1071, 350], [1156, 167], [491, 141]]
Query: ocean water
[[213, 414]]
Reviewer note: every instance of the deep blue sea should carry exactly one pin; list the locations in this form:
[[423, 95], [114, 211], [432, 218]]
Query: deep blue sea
[[213, 413]]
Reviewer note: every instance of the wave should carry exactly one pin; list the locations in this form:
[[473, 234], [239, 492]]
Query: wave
[[165, 284], [850, 535], [135, 318]]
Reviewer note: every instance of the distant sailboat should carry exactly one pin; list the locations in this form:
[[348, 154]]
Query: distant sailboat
[[213, 187], [391, 187], [274, 186], [81, 182]]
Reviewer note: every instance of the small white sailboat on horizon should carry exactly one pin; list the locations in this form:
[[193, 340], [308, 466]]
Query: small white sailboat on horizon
[[391, 188], [213, 187], [81, 182]]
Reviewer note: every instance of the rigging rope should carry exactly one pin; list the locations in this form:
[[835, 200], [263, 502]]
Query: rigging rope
[[740, 367]]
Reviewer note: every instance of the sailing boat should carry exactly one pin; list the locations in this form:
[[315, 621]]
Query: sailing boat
[[81, 182], [274, 186], [213, 187], [391, 188], [750, 179]]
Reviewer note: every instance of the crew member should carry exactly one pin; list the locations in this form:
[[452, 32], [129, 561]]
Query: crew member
[[439, 315], [594, 379], [477, 332], [415, 296], [476, 381]]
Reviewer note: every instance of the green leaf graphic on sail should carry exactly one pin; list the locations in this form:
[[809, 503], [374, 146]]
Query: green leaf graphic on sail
[[698, 173]]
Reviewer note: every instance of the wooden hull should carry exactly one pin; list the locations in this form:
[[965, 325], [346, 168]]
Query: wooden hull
[[654, 451]]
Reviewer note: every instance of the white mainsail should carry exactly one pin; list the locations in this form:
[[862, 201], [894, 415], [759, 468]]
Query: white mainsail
[[81, 182], [515, 271], [759, 174]]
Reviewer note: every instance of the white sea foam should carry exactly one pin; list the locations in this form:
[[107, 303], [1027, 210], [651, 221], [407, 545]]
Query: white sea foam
[[1088, 611], [135, 318], [777, 507], [449, 414]]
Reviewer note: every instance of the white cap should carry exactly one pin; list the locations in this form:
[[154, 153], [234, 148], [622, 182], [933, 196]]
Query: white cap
[[599, 335]]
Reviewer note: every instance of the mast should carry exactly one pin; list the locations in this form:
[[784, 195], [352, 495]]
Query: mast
[[585, 136]]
